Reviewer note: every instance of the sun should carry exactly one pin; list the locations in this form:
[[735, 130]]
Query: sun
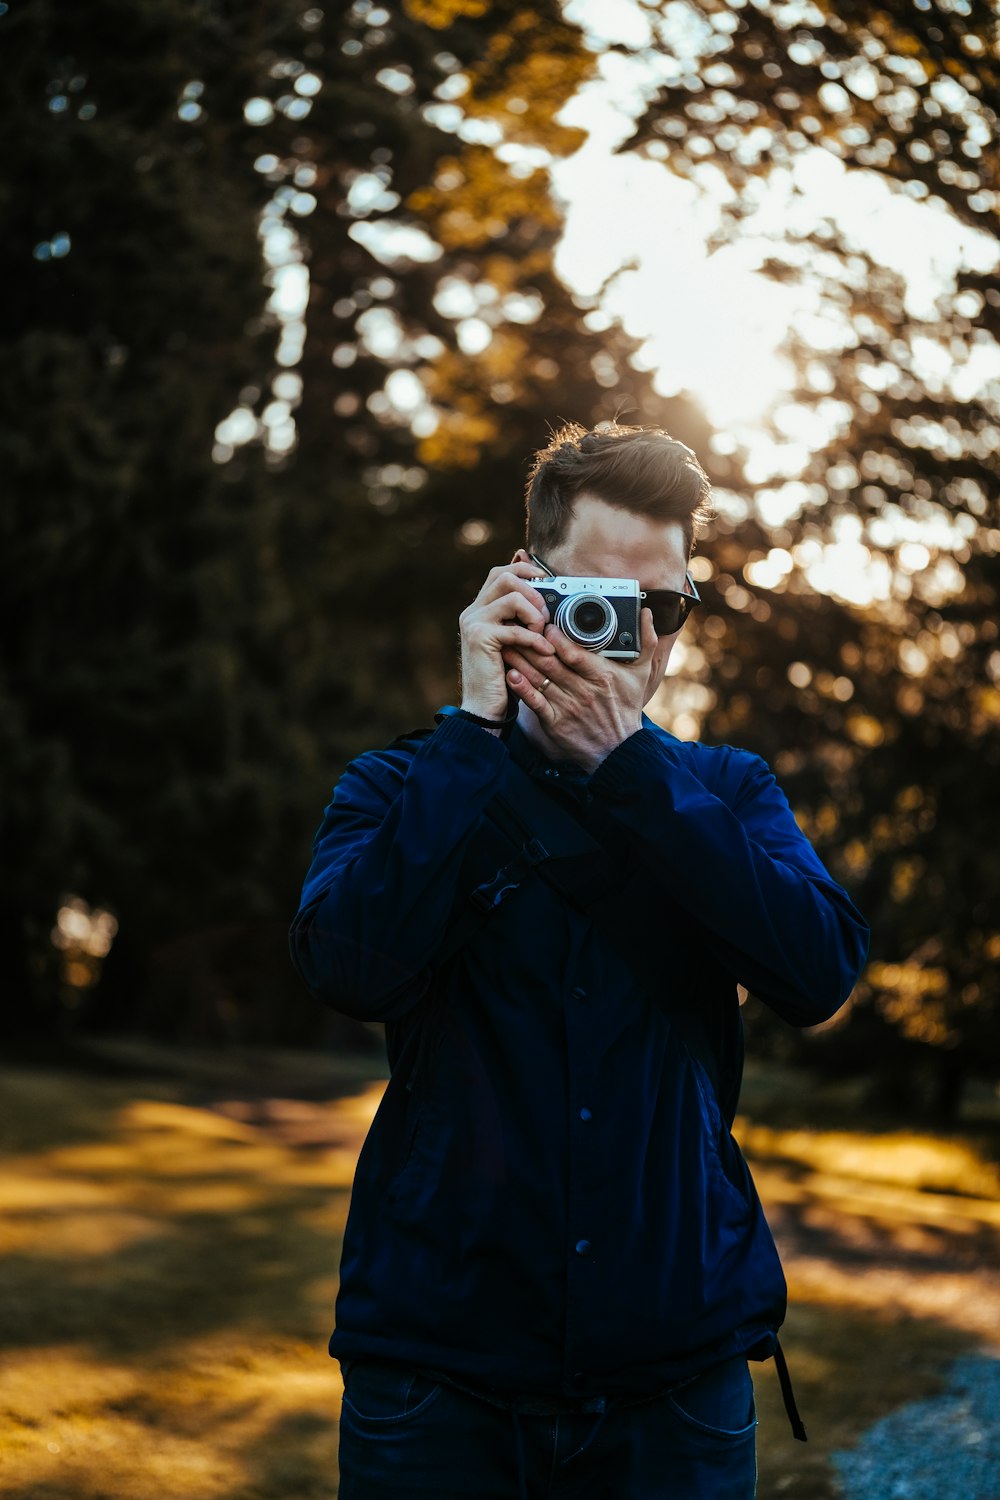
[[711, 324]]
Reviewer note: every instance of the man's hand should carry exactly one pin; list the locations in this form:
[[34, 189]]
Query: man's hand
[[585, 704], [507, 614]]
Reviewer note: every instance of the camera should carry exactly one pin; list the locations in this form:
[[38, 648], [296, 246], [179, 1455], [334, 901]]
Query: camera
[[600, 614]]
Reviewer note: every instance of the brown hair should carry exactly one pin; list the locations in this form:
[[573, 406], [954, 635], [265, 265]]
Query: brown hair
[[639, 469]]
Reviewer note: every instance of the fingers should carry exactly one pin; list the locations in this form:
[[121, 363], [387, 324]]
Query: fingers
[[532, 666], [514, 606], [492, 630], [593, 665], [507, 614], [531, 694], [518, 604], [561, 661], [570, 662], [508, 638], [500, 582], [575, 659]]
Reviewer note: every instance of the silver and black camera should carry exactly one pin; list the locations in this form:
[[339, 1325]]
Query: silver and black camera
[[600, 614]]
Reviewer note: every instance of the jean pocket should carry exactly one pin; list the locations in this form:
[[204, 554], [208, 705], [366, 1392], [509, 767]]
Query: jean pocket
[[719, 1402], [381, 1393]]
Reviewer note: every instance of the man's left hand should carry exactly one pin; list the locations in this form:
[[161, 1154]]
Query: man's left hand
[[586, 704]]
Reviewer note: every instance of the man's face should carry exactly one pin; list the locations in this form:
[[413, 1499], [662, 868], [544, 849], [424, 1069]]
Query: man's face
[[603, 541]]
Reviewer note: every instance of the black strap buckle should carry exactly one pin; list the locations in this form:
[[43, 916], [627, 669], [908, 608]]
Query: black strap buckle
[[488, 896]]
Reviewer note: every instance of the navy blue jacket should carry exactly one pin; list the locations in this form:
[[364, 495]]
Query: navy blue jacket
[[549, 1200]]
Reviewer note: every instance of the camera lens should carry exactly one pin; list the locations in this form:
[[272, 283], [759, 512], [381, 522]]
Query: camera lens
[[588, 619]]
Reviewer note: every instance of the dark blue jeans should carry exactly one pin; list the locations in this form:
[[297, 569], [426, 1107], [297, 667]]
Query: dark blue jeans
[[404, 1435]]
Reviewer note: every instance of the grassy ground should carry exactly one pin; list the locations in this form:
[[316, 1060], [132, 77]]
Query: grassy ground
[[171, 1242], [890, 1242]]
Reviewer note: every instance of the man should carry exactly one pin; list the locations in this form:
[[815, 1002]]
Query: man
[[556, 1267]]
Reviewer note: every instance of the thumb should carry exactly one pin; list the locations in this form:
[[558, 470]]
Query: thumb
[[648, 636]]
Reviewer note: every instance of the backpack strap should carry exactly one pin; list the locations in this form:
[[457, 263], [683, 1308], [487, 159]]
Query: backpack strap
[[788, 1395], [484, 899], [549, 840]]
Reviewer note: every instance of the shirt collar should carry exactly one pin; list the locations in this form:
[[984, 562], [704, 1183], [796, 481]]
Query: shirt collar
[[527, 755]]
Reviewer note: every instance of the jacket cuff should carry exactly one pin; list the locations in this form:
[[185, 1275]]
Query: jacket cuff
[[634, 758], [466, 738]]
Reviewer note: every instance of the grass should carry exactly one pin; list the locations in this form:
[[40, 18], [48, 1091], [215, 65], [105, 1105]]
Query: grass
[[168, 1287], [171, 1241], [890, 1242]]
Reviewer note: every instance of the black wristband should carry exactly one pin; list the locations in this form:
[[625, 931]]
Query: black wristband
[[449, 711]]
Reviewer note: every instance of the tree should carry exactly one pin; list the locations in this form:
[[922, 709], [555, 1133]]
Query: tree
[[125, 691], [892, 704], [238, 526]]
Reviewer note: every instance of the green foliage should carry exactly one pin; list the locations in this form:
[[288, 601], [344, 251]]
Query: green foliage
[[201, 623], [125, 689], [881, 718]]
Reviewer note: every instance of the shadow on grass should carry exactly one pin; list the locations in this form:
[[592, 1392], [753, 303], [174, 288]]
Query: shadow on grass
[[171, 1254], [850, 1368], [38, 1111], [858, 1243], [849, 1371], [152, 1296]]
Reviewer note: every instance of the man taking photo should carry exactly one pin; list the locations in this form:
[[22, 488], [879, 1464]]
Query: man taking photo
[[556, 1267]]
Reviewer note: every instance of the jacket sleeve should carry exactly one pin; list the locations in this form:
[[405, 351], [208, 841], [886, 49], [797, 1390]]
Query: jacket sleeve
[[386, 859], [745, 869]]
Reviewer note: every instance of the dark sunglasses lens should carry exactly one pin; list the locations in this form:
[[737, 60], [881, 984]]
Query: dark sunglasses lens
[[669, 612]]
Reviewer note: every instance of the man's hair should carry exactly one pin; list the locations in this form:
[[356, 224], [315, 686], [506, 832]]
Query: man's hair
[[640, 469]]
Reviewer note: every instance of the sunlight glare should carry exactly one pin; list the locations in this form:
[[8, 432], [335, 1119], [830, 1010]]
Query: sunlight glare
[[846, 568], [711, 324], [636, 235]]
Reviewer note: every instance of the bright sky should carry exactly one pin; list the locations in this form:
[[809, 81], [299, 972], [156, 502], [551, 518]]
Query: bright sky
[[711, 323]]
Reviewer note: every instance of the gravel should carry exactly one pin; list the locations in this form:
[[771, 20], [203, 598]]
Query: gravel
[[944, 1448]]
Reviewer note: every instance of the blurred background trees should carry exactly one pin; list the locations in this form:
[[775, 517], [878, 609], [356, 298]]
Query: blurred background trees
[[286, 329], [218, 220], [882, 718]]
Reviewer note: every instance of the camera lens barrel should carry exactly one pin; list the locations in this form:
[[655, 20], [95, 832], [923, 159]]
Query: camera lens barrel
[[588, 619]]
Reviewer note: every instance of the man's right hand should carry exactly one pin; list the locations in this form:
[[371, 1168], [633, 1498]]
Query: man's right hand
[[507, 612]]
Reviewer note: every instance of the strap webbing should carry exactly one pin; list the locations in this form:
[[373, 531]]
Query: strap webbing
[[599, 882], [484, 900], [787, 1394]]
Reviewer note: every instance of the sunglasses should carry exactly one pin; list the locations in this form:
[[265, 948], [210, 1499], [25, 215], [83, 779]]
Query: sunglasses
[[669, 607]]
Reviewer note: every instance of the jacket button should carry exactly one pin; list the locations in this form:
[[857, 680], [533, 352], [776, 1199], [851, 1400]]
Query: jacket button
[[586, 1114], [579, 994], [583, 1247]]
